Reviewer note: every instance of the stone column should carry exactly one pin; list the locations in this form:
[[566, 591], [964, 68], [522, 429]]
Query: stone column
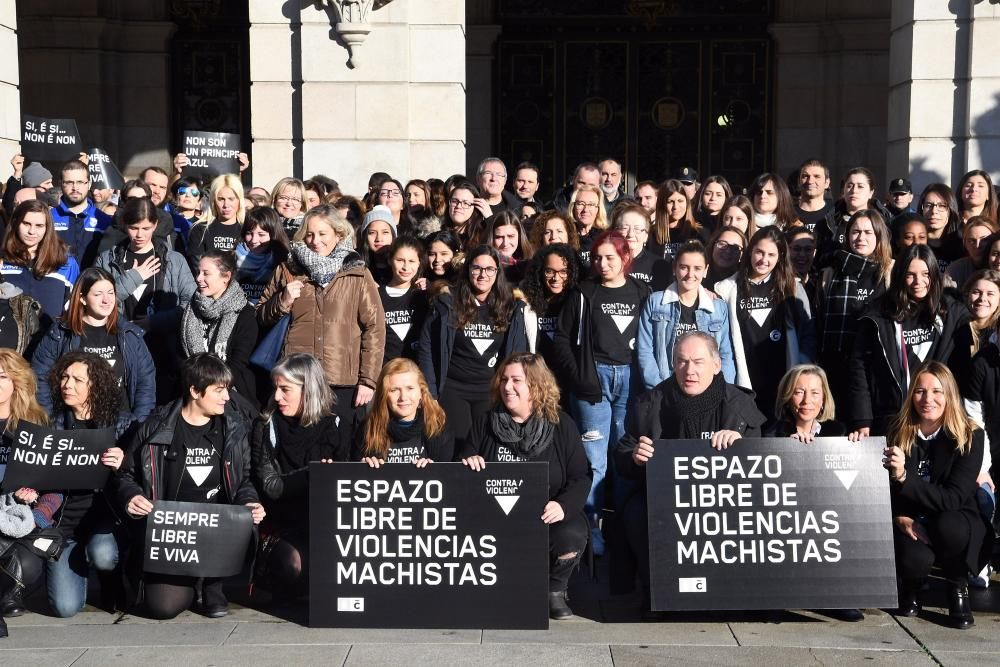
[[400, 110], [10, 98], [829, 92], [944, 99]]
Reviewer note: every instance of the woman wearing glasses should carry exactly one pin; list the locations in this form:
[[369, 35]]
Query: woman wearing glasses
[[725, 248], [469, 329], [288, 199], [552, 275], [185, 205], [461, 217], [588, 211], [390, 194], [940, 210], [649, 267]]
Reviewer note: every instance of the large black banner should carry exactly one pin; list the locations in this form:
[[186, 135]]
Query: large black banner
[[435, 547], [197, 539], [103, 172], [46, 459], [210, 154], [49, 138], [770, 523]]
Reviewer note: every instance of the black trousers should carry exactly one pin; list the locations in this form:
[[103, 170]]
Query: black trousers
[[568, 536], [462, 408], [168, 595], [950, 535], [635, 526]]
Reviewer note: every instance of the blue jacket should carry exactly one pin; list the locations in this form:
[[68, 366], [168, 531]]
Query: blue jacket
[[78, 230], [657, 327], [140, 373], [51, 291]]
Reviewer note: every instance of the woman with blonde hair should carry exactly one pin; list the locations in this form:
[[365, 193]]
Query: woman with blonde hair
[[589, 212], [934, 455], [223, 226], [526, 424], [805, 407], [336, 313], [288, 199], [406, 424]]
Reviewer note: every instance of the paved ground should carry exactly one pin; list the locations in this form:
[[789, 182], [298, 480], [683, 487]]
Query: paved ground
[[606, 632]]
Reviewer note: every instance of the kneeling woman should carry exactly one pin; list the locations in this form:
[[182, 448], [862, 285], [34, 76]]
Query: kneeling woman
[[526, 424], [297, 427], [934, 456], [406, 424], [203, 423], [805, 407]]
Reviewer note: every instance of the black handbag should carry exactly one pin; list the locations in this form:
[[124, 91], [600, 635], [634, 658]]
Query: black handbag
[[46, 543]]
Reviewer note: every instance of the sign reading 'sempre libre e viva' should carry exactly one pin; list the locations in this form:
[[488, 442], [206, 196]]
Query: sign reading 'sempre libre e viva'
[[436, 547], [770, 523]]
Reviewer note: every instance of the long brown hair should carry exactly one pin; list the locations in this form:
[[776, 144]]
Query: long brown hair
[[882, 255], [376, 428], [782, 276], [661, 219], [73, 319], [958, 425], [52, 250], [23, 404]]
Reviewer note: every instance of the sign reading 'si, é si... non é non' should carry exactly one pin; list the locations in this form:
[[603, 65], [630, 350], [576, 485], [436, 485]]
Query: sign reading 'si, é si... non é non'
[[770, 523], [436, 547], [55, 139], [47, 458]]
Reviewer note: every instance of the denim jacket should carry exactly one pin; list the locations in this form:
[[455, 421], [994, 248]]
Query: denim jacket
[[657, 326]]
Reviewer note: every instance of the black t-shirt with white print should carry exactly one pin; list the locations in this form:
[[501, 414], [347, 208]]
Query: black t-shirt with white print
[[615, 315], [404, 317], [762, 326], [476, 353], [686, 323], [201, 480], [917, 336]]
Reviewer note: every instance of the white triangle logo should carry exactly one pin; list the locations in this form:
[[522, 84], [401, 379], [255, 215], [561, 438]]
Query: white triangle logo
[[199, 473], [112, 362], [401, 330], [551, 335], [482, 344], [846, 477], [506, 502], [760, 315], [622, 321]]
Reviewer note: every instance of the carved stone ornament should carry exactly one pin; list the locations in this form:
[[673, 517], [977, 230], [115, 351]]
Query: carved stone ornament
[[352, 23]]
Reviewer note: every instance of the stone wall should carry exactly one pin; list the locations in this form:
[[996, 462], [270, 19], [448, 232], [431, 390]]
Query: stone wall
[[10, 97], [401, 110]]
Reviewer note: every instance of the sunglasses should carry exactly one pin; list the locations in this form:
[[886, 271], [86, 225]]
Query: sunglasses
[[191, 191]]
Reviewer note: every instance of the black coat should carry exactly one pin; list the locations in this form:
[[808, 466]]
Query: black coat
[[831, 428], [982, 384], [569, 470], [951, 488], [874, 373], [573, 346]]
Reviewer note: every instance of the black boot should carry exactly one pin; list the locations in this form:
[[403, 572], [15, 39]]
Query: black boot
[[959, 610], [13, 606], [3, 628], [909, 603], [558, 609]]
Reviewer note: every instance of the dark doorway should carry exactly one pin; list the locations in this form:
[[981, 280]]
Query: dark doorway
[[658, 84]]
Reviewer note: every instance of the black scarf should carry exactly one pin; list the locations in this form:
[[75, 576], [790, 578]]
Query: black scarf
[[529, 439], [298, 445], [406, 432], [686, 416]]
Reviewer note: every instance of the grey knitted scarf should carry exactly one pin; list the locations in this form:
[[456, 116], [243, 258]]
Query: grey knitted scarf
[[207, 319], [321, 269]]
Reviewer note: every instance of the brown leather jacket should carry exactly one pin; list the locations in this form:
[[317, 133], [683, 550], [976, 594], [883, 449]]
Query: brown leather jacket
[[342, 325]]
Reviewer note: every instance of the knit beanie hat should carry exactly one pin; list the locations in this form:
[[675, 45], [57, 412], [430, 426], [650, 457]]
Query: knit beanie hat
[[379, 212], [34, 175]]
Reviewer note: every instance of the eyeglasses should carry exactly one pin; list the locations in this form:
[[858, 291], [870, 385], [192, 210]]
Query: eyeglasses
[[78, 184], [482, 270], [634, 230], [285, 199], [722, 245], [930, 206], [192, 192], [494, 174], [583, 204], [390, 193], [459, 204], [552, 273]]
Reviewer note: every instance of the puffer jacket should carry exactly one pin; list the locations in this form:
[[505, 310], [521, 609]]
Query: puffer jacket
[[342, 324]]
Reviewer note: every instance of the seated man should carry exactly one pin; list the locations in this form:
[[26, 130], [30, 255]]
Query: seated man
[[694, 403]]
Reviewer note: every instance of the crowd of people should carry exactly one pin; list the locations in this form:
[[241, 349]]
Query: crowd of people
[[474, 320]]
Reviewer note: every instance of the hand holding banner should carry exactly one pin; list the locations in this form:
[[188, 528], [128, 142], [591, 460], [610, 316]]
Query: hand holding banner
[[197, 539], [47, 459]]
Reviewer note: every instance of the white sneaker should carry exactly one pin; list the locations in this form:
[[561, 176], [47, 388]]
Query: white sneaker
[[981, 580], [597, 541]]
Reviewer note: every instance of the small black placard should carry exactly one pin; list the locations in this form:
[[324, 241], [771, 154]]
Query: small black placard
[[435, 547], [210, 154], [49, 138], [46, 459], [197, 539], [103, 172], [770, 523]]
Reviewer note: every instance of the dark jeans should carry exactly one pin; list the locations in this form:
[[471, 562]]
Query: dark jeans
[[950, 534], [568, 536]]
